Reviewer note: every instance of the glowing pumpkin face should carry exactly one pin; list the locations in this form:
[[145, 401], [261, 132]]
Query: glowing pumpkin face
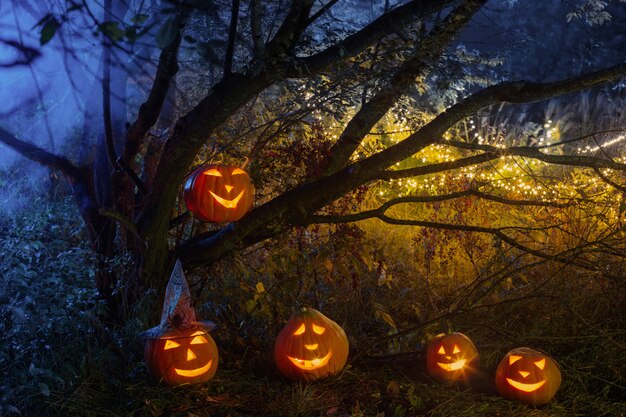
[[528, 376], [188, 358], [219, 193], [451, 357], [311, 346]]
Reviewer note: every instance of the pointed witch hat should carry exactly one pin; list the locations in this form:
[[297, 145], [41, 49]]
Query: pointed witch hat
[[178, 313]]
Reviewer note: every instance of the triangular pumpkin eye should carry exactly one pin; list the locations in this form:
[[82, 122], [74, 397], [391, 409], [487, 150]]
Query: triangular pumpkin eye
[[456, 349], [198, 340], [300, 330], [441, 351], [237, 171], [319, 329], [541, 364], [513, 359], [214, 172], [170, 344]]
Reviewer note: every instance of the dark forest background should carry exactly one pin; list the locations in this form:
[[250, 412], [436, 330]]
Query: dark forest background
[[420, 167]]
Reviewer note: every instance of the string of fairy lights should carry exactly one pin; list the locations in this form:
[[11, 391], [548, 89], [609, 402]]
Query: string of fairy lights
[[513, 177], [509, 176]]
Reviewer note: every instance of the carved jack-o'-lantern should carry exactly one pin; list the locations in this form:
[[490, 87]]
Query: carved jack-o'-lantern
[[179, 350], [451, 357], [189, 357], [310, 346], [528, 375], [219, 193]]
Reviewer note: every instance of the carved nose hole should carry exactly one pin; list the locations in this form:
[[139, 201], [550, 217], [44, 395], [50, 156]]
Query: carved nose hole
[[190, 355], [229, 187], [448, 357], [311, 347], [524, 374]]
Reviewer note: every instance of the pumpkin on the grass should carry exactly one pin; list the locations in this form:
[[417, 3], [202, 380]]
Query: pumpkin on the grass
[[451, 357], [528, 375], [179, 350], [310, 346], [219, 193], [187, 358]]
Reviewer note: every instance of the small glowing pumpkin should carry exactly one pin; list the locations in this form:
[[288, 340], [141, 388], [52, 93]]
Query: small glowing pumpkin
[[219, 193], [310, 346], [528, 375], [187, 358], [451, 357], [179, 350]]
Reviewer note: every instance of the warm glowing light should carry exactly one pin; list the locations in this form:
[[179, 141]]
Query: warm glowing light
[[541, 364], [454, 366], [308, 365], [213, 172], [300, 330], [189, 373], [525, 387], [513, 359], [318, 329], [198, 340], [227, 203], [170, 344]]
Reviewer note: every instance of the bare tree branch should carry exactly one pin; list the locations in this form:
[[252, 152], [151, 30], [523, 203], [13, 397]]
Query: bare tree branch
[[293, 26], [440, 167], [609, 181], [40, 155], [380, 211], [373, 32], [535, 153], [256, 28], [347, 218], [150, 109], [498, 232], [27, 54], [428, 52], [321, 11], [232, 35], [106, 91]]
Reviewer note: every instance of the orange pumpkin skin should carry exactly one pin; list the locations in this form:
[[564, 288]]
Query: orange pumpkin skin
[[310, 346], [187, 358], [451, 357], [528, 375], [219, 193]]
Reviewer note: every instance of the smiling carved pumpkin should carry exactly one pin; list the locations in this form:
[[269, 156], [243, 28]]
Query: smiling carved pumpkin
[[219, 193], [451, 357], [179, 350], [528, 375], [310, 346], [188, 358]]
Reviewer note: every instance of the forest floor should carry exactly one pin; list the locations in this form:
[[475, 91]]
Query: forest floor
[[58, 358]]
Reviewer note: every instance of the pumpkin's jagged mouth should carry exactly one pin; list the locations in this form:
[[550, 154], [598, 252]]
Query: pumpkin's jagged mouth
[[525, 387], [228, 203], [312, 364], [454, 366], [194, 372]]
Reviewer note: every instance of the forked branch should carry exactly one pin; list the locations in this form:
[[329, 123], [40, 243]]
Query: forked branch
[[40, 155]]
